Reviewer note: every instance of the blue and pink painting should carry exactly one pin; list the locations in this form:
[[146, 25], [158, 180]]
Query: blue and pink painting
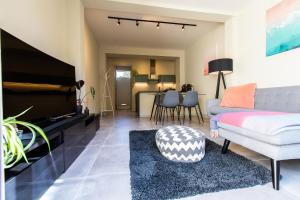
[[283, 27]]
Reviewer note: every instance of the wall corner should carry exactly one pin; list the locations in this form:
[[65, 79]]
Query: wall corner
[[2, 183]]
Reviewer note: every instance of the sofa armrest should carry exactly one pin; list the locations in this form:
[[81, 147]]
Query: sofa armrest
[[210, 103]]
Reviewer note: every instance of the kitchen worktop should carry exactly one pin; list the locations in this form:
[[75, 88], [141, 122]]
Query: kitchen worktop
[[144, 101], [154, 92]]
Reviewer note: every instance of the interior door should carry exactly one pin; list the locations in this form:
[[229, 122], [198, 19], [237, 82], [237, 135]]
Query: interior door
[[123, 88]]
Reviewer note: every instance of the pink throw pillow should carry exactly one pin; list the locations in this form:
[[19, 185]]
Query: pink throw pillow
[[240, 96]]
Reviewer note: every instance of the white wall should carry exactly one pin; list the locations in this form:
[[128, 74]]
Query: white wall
[[43, 24], [55, 27], [75, 36], [92, 72], [248, 50], [104, 50], [243, 38], [197, 56], [142, 66], [2, 193]]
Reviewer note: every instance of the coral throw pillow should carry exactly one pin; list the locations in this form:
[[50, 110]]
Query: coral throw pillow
[[239, 97]]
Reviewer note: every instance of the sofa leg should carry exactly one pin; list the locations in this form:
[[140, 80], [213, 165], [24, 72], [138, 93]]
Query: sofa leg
[[275, 168], [225, 146]]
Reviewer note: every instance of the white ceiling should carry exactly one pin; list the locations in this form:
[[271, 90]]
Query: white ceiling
[[227, 7], [207, 14], [107, 32], [207, 10], [124, 56]]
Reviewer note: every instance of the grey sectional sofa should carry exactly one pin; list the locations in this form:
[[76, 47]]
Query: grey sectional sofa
[[283, 146]]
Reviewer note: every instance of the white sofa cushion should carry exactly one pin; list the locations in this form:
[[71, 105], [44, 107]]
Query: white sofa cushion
[[276, 152], [219, 109], [290, 135]]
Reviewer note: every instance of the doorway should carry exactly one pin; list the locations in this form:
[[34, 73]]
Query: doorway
[[123, 88]]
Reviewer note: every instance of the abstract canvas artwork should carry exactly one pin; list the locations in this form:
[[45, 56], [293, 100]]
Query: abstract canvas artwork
[[283, 27]]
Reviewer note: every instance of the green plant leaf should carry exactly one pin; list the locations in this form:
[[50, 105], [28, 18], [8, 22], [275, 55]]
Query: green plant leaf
[[15, 144], [93, 92], [13, 148], [38, 129]]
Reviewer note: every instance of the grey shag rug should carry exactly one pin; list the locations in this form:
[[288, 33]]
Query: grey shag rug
[[155, 177]]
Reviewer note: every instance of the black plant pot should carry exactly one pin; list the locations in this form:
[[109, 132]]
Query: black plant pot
[[25, 136], [79, 109], [86, 111]]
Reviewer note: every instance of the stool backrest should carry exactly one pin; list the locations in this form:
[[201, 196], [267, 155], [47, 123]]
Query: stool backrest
[[191, 99], [171, 99]]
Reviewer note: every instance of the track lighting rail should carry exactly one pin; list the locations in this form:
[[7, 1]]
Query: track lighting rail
[[158, 22]]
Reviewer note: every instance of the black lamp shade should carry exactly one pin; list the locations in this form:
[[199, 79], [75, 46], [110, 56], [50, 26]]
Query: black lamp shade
[[220, 65], [79, 84]]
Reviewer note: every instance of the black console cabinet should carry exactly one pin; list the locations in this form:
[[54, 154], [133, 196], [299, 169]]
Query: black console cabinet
[[77, 137], [68, 140]]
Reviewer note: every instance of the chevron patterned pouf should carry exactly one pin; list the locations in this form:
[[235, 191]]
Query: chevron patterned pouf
[[181, 143]]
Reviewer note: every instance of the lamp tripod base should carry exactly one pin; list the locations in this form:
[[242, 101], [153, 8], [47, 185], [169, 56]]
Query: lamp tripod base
[[220, 75]]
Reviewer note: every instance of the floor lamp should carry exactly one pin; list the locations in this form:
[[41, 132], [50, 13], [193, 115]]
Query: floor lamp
[[220, 67]]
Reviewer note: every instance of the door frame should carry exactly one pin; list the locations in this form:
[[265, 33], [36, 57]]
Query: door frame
[[123, 68]]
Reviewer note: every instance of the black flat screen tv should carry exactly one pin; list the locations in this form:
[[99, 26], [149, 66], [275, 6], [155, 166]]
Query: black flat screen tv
[[33, 78]]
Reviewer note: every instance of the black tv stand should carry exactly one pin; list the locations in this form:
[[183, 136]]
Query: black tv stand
[[68, 138]]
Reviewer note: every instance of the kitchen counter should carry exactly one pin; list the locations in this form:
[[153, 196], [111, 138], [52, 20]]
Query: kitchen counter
[[144, 102], [154, 92]]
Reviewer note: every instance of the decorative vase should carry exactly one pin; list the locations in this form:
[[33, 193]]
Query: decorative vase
[[79, 109], [86, 111]]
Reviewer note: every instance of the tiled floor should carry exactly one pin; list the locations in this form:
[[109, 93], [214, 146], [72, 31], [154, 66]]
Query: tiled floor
[[102, 171]]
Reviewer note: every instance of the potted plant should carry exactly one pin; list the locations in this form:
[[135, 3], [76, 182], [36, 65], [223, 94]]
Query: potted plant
[[91, 92], [13, 148]]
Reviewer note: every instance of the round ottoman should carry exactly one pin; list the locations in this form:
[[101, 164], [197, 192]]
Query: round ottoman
[[180, 143]]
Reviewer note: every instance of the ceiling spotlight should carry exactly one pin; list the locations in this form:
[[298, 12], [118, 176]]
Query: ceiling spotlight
[[119, 22], [182, 28], [157, 26], [137, 23]]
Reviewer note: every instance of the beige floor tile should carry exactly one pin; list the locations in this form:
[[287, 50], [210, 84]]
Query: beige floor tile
[[102, 170]]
